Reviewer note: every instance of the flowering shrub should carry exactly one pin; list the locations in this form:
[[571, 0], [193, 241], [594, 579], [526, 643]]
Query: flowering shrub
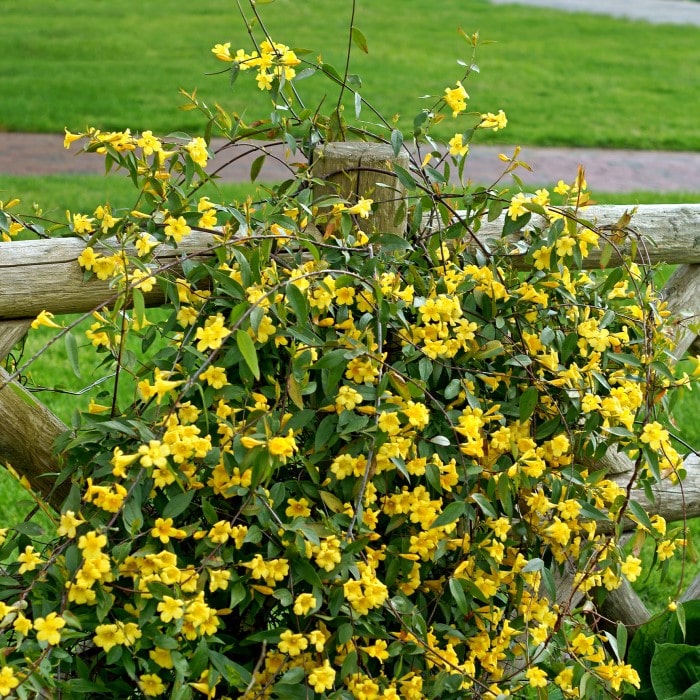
[[354, 464]]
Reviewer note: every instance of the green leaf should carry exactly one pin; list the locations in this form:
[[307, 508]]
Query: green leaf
[[72, 352], [680, 617], [139, 306], [331, 359], [247, 348], [640, 514], [396, 141], [392, 242], [256, 166], [328, 69], [535, 564], [527, 403], [490, 349], [178, 504], [621, 640], [606, 255], [458, 595], [675, 672], [485, 505], [511, 226], [297, 300], [405, 178], [359, 40], [452, 389], [452, 512], [349, 666]]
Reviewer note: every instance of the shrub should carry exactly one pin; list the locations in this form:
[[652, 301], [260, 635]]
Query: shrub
[[356, 464]]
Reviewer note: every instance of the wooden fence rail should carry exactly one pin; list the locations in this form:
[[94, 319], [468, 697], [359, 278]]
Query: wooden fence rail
[[45, 275]]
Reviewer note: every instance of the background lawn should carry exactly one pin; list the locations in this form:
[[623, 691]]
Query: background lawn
[[563, 79]]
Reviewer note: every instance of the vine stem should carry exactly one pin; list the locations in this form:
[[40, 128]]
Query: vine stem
[[343, 85]]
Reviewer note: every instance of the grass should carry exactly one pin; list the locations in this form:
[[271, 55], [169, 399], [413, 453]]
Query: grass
[[51, 195], [563, 79]]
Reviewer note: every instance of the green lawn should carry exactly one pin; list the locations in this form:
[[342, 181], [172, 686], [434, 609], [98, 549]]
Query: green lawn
[[562, 79], [53, 195]]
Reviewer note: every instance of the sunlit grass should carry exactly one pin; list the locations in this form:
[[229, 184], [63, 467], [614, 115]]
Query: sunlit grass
[[563, 79]]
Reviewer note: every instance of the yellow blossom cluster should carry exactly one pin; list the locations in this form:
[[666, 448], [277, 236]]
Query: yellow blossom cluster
[[273, 61]]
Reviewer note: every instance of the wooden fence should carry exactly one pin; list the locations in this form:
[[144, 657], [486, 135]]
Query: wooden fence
[[45, 275]]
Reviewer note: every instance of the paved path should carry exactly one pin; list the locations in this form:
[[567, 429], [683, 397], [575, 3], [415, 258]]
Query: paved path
[[607, 170], [655, 11]]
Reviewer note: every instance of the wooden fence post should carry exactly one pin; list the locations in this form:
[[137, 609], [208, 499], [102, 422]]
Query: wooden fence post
[[29, 430], [360, 169]]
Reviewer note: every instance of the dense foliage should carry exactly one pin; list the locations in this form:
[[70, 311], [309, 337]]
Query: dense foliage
[[346, 463]]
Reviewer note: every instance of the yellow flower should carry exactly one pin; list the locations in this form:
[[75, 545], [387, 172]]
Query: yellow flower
[[176, 229], [215, 377], [582, 644], [197, 149], [322, 677], [631, 568], [151, 684], [665, 549], [144, 244], [303, 603], [292, 643], [162, 657], [297, 508], [456, 98], [149, 143], [346, 399], [22, 625], [654, 435], [8, 681], [537, 677], [457, 147], [44, 319], [516, 207], [171, 608], [389, 423], [363, 208], [29, 559], [164, 530], [69, 523], [282, 446], [82, 223], [562, 188], [91, 545], [108, 636], [222, 51], [418, 415], [202, 685], [494, 121], [565, 246], [49, 628], [70, 138], [212, 335]]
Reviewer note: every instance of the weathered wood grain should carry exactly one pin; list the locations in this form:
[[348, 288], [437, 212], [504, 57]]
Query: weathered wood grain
[[11, 332], [49, 268], [45, 275], [357, 169], [28, 431]]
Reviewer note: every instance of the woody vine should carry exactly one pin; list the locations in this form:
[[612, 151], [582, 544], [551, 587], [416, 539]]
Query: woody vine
[[348, 463]]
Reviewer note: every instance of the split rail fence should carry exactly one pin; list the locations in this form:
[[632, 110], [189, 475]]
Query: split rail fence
[[44, 275]]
